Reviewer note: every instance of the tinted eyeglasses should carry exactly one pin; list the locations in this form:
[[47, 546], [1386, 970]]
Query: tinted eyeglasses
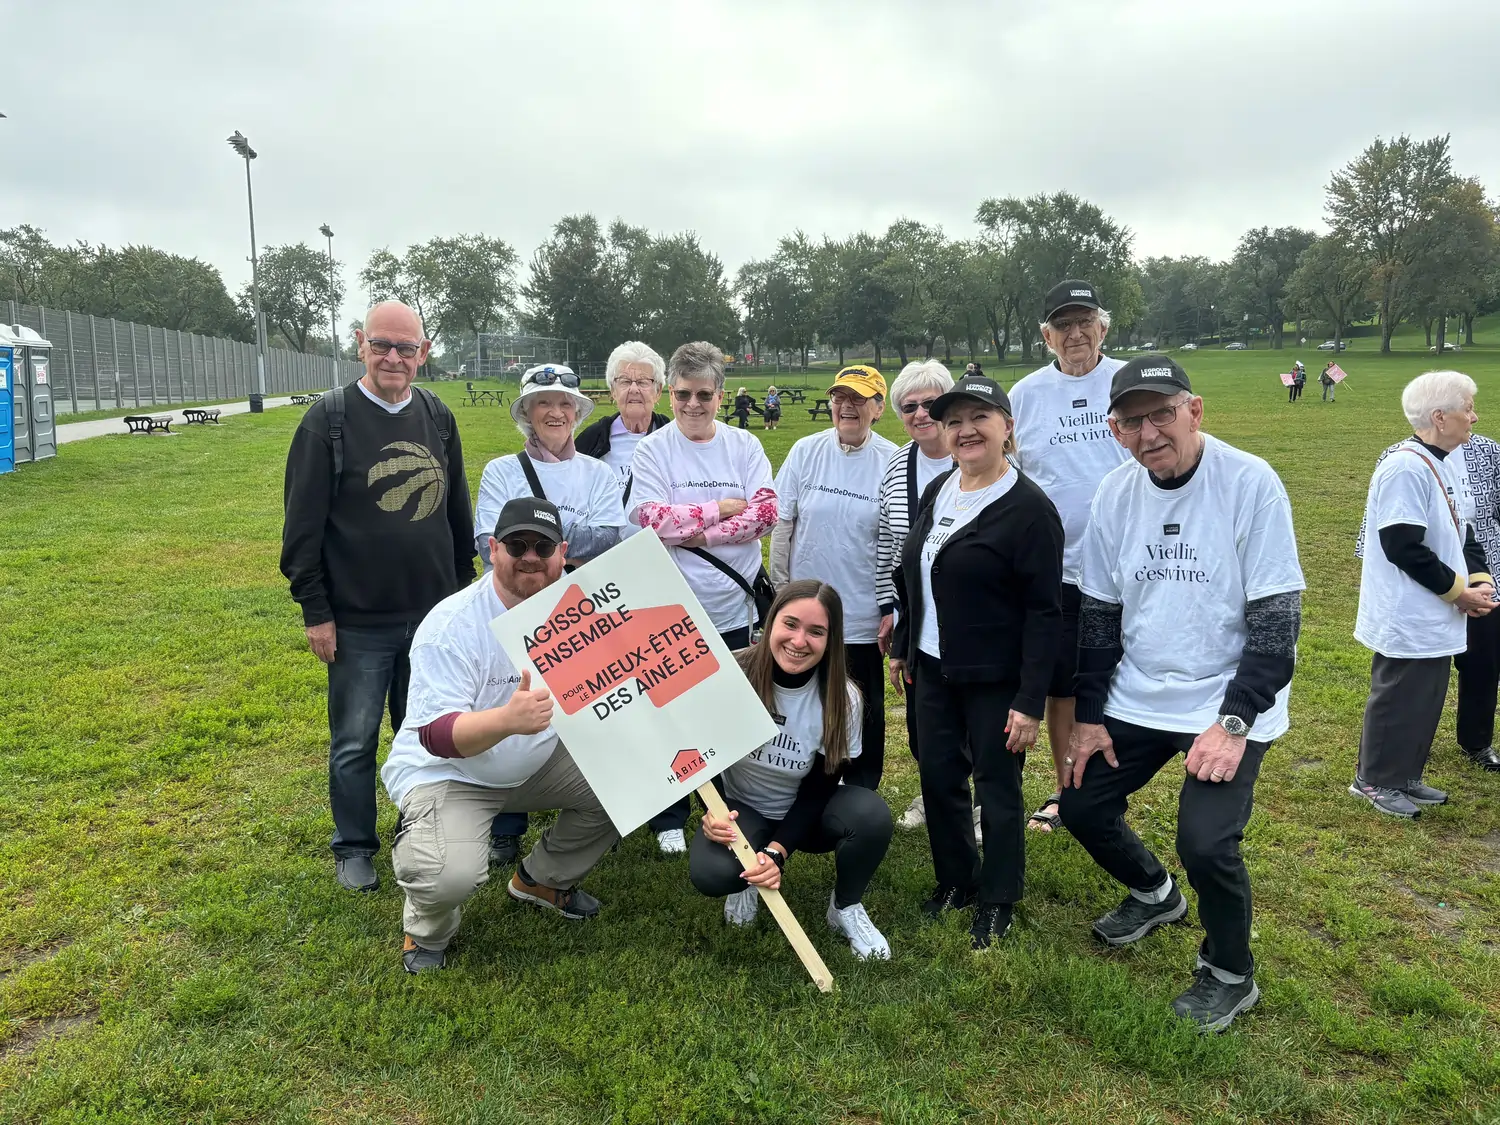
[[688, 396], [405, 349], [518, 545], [546, 377], [911, 407]]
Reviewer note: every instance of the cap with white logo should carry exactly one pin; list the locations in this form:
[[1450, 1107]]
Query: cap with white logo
[[1069, 294], [977, 388], [527, 514], [1156, 373]]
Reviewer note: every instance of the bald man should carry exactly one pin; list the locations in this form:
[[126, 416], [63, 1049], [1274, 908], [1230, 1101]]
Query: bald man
[[378, 530]]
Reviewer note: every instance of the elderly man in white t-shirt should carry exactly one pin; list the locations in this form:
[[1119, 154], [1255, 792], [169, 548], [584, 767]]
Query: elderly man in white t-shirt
[[1187, 643], [1063, 442], [478, 741]]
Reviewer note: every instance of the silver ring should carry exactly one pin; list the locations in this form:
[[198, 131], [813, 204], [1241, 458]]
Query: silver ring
[[1217, 773], [1067, 761]]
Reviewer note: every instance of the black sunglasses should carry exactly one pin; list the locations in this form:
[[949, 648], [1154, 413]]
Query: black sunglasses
[[545, 378], [517, 546], [688, 396], [383, 347], [911, 407]]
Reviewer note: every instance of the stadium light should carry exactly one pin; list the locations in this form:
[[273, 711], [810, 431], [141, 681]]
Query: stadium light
[[333, 313], [241, 145]]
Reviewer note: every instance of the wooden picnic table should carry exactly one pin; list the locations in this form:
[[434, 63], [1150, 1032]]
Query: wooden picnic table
[[820, 406], [792, 394]]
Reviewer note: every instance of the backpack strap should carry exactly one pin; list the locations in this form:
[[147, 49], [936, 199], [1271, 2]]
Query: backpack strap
[[439, 415], [333, 405], [912, 499], [531, 478]]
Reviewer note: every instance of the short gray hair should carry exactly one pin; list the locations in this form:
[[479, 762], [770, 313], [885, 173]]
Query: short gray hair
[[1435, 390], [1102, 314], [927, 375], [633, 351], [698, 360]]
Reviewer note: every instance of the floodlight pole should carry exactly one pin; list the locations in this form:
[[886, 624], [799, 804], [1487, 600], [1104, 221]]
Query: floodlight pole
[[241, 145], [333, 313]]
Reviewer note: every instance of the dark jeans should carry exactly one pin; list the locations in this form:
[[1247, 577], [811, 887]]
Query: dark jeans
[[675, 815], [1478, 676], [856, 827], [963, 733], [369, 675], [867, 669], [1211, 818]]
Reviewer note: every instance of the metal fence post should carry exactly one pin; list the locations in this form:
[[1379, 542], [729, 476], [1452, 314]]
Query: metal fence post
[[135, 366], [72, 363], [94, 358], [182, 375], [151, 360]]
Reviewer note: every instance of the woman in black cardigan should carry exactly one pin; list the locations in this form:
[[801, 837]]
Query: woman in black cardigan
[[977, 635]]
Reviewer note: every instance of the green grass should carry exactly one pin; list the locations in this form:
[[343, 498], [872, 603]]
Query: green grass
[[173, 948]]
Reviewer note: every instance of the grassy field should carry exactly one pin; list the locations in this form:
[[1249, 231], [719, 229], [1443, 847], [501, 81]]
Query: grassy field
[[173, 947]]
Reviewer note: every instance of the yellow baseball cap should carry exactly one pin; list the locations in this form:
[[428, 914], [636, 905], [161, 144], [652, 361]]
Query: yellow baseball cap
[[861, 380]]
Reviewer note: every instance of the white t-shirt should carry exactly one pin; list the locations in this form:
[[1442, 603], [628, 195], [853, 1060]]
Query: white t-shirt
[[1063, 443], [458, 665], [928, 470], [947, 518], [1183, 563], [388, 407], [583, 488], [1397, 616], [835, 498], [767, 779], [670, 469], [620, 456]]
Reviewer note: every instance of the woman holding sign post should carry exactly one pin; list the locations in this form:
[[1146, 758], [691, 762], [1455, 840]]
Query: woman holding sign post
[[785, 796]]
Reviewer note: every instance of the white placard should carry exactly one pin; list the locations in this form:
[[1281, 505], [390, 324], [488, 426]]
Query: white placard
[[649, 704]]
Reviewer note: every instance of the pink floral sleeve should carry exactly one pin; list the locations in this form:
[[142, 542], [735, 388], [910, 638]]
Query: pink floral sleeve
[[676, 522], [753, 523]]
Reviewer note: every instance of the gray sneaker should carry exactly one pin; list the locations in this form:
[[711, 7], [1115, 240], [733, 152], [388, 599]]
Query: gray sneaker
[[1419, 794], [357, 873], [1211, 1003], [1392, 802], [416, 959]]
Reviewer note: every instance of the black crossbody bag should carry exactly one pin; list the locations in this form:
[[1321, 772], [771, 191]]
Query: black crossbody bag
[[761, 591]]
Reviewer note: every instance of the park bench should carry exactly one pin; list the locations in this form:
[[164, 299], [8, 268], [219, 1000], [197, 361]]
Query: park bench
[[146, 423], [820, 406], [303, 400], [794, 395], [200, 415]]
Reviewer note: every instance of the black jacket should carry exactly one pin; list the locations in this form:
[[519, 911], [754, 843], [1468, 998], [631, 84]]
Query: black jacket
[[593, 439], [997, 584]]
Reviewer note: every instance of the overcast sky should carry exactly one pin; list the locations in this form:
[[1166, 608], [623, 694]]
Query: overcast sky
[[394, 122]]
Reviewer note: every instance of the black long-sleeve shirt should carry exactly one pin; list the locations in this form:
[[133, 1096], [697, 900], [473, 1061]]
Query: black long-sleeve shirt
[[1403, 546], [398, 536]]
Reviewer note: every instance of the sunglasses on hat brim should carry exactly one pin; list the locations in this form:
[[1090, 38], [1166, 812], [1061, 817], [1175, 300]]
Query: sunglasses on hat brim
[[548, 378]]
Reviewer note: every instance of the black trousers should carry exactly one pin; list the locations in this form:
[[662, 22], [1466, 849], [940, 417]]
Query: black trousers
[[1211, 818], [1401, 718], [867, 670], [963, 734], [1478, 677], [856, 827]]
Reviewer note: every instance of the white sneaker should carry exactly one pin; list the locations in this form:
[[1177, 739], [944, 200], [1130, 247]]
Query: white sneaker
[[854, 923], [978, 831], [740, 909], [915, 815], [671, 842]]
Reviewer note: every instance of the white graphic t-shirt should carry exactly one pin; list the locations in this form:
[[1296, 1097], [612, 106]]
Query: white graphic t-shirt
[[767, 779], [671, 469], [953, 509], [583, 488], [1397, 616], [1183, 563], [620, 456], [835, 498], [1063, 443], [458, 665]]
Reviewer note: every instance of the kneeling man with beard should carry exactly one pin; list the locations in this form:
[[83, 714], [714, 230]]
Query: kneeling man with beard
[[478, 741]]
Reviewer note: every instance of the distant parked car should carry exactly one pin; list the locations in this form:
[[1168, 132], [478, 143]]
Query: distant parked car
[[1446, 348], [1329, 345], [517, 368], [1149, 346], [1188, 348], [1237, 346]]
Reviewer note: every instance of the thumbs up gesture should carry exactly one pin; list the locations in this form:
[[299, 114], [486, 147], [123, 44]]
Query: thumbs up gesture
[[530, 711]]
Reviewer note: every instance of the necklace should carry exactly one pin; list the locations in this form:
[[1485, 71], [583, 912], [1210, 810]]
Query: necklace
[[963, 505]]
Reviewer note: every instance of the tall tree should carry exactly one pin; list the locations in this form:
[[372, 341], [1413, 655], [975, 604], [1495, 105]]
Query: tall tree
[[1383, 203], [1450, 277], [1263, 262], [684, 295], [580, 287], [1331, 283], [294, 292], [456, 285]]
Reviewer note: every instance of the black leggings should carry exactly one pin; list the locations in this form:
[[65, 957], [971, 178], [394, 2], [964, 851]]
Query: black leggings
[[866, 667], [856, 827]]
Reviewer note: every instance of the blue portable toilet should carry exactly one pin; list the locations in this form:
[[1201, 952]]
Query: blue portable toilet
[[7, 399]]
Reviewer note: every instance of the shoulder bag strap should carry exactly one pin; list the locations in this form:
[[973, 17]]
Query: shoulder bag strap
[[1442, 491], [723, 567], [531, 477], [912, 499]]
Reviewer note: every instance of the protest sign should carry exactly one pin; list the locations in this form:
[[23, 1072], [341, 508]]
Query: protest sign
[[1286, 379], [650, 706], [1337, 373]]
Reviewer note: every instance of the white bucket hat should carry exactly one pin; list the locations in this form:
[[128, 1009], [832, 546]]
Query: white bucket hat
[[547, 377]]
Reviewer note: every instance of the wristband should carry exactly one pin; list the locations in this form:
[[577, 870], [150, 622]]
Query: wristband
[[776, 857]]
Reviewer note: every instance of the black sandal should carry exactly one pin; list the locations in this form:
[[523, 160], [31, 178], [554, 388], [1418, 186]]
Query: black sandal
[[1053, 819]]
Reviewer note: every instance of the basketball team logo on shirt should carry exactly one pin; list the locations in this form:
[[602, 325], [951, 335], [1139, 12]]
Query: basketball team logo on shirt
[[427, 481]]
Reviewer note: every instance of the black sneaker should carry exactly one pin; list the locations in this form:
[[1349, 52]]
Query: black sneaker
[[991, 923], [1134, 919], [504, 850], [1212, 1004], [945, 898], [572, 903], [415, 959], [1423, 795]]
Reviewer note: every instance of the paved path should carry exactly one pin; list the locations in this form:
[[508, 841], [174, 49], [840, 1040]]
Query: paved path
[[100, 427]]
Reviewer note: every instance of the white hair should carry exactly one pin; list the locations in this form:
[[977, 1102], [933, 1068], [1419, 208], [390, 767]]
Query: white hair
[[926, 375], [523, 423], [1102, 314], [633, 351], [1448, 391]]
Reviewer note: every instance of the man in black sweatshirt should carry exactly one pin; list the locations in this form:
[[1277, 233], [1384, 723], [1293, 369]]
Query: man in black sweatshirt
[[1187, 642], [378, 530]]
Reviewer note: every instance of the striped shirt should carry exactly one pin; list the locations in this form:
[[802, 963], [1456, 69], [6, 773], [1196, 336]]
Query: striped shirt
[[900, 490]]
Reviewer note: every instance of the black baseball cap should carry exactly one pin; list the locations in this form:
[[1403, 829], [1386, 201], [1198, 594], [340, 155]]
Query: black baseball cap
[[1148, 373], [976, 387], [525, 513], [1066, 294]]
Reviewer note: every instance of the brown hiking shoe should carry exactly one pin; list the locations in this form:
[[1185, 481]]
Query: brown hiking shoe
[[572, 903]]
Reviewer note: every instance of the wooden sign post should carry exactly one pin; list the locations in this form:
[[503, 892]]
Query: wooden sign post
[[782, 912]]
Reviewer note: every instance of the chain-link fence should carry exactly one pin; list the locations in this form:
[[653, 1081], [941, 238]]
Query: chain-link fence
[[103, 364]]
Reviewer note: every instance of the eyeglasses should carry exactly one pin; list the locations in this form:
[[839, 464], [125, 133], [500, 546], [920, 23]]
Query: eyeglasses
[[641, 384], [1161, 416], [848, 396], [546, 377], [911, 407], [1072, 322], [701, 396], [518, 545], [404, 349]]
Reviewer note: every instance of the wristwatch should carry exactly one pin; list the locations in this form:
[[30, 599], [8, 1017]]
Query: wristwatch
[[1234, 725]]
